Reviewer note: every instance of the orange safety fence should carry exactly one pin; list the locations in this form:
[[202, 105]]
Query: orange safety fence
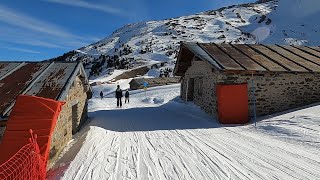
[[26, 164], [17, 150]]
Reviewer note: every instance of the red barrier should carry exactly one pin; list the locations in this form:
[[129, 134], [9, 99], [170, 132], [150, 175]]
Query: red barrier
[[26, 164], [22, 157], [30, 112]]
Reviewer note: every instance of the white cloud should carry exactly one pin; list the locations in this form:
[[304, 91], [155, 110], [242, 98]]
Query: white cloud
[[19, 28], [17, 19], [87, 5], [21, 50], [15, 35]]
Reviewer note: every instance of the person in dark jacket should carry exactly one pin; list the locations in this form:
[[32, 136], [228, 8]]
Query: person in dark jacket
[[101, 94], [126, 95], [119, 96]]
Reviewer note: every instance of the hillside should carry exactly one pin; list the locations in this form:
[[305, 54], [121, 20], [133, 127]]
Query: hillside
[[268, 22]]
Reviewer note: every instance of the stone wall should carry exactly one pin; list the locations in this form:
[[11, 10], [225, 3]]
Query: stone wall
[[274, 92], [201, 71], [65, 124], [278, 92]]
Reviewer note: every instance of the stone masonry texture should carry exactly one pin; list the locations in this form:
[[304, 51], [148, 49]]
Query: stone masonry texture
[[274, 92], [65, 125]]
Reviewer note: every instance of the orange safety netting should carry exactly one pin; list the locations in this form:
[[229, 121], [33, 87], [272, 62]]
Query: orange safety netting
[[26, 164], [29, 112]]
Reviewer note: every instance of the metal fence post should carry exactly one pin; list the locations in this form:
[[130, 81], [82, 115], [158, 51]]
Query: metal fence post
[[254, 103]]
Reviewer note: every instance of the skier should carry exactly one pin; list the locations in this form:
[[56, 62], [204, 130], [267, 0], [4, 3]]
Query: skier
[[119, 96], [126, 95], [101, 95]]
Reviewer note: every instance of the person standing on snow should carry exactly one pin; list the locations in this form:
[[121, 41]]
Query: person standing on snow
[[119, 96], [101, 94], [126, 95]]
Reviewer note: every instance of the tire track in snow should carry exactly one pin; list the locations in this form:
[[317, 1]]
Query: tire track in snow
[[273, 159], [219, 157], [125, 166], [214, 153], [194, 161], [143, 165], [304, 167]]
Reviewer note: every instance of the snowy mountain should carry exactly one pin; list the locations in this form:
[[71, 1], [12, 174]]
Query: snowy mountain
[[269, 22]]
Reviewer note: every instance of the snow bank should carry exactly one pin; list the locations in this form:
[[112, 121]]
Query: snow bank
[[156, 100], [153, 73], [146, 100]]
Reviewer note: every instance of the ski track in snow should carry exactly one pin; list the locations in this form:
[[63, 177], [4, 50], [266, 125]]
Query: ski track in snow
[[177, 141]]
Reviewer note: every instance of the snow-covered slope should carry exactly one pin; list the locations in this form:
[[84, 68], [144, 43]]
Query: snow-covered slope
[[269, 22], [294, 22], [159, 40]]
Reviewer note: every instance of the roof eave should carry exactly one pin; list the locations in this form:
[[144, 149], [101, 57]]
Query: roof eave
[[64, 93]]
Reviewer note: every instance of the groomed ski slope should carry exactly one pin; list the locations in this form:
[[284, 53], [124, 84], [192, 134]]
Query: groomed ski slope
[[165, 138]]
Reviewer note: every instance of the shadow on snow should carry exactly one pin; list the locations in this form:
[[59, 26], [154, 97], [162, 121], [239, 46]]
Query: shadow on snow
[[173, 115]]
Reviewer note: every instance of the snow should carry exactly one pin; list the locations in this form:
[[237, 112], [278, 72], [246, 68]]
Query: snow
[[153, 73], [106, 77], [158, 100], [177, 140], [158, 136], [293, 22], [163, 37], [153, 100]]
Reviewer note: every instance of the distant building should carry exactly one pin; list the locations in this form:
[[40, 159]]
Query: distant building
[[221, 78], [137, 83], [56, 80]]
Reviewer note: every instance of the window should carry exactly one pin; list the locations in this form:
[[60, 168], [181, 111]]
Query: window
[[200, 86]]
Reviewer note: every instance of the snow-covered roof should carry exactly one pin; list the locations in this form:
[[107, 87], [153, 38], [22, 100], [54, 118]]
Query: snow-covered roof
[[45, 79], [250, 58]]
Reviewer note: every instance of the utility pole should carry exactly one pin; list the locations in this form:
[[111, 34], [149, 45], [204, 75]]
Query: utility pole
[[254, 103]]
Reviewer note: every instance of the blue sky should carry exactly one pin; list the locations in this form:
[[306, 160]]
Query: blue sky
[[41, 29]]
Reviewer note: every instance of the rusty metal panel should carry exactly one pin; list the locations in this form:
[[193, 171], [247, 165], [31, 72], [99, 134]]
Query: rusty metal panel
[[222, 58], [265, 62], [309, 50], [298, 60], [279, 59], [244, 60], [51, 83], [15, 83], [198, 51], [7, 67], [303, 54]]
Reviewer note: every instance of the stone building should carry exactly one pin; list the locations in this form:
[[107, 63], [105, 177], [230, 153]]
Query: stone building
[[54, 80], [233, 82], [138, 83]]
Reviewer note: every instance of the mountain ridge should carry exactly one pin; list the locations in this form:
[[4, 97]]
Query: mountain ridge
[[158, 41]]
